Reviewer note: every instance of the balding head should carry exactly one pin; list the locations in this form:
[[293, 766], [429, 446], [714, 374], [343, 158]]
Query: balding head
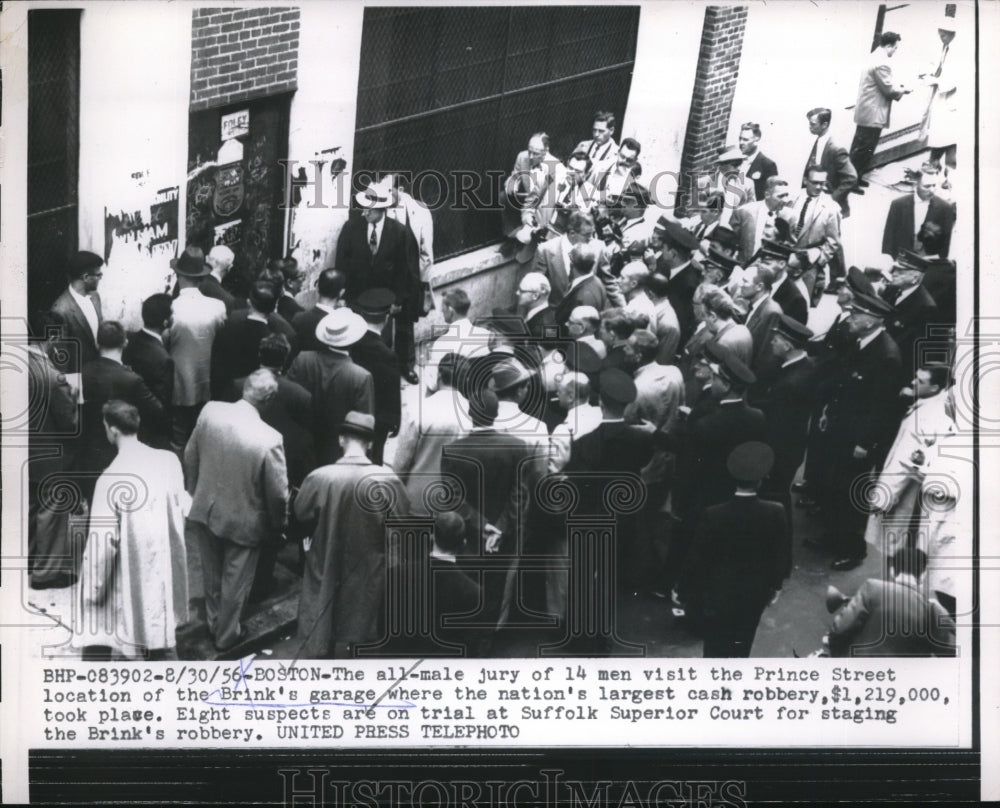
[[220, 259], [573, 389]]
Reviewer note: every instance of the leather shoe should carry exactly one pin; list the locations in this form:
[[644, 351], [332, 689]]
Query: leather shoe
[[847, 563], [411, 377]]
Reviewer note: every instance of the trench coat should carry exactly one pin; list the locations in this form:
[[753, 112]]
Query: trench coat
[[345, 506]]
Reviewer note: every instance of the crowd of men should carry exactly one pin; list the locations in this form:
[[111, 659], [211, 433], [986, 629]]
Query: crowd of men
[[655, 370]]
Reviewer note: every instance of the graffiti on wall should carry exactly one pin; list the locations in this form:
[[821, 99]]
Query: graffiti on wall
[[151, 230]]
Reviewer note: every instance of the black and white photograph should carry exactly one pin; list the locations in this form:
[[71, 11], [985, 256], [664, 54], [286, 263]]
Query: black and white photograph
[[493, 377]]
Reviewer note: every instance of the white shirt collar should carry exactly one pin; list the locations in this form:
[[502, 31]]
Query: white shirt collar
[[793, 361], [532, 312], [864, 342], [907, 292], [80, 299], [153, 334], [189, 291]]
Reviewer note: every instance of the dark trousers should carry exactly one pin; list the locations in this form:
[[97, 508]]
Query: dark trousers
[[730, 635], [183, 421], [845, 514], [863, 147]]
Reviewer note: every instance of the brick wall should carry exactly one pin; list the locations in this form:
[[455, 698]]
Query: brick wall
[[714, 86], [242, 53]]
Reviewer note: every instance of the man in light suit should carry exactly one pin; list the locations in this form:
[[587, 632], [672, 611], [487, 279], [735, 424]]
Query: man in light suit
[[601, 149], [235, 470], [908, 213], [536, 172], [552, 259], [876, 92], [78, 310], [757, 167], [195, 321], [756, 220], [832, 158], [813, 219]]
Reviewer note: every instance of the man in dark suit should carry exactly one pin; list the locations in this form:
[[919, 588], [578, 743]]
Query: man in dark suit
[[338, 386], [289, 412], [841, 175], [787, 294], [146, 354], [756, 290], [891, 617], [861, 417], [78, 310], [106, 378], [220, 260], [787, 403], [486, 464], [909, 212], [234, 467], [739, 557], [552, 258], [584, 288], [234, 352], [330, 289], [674, 263], [454, 592], [374, 251], [915, 309], [533, 307], [371, 353], [756, 166], [291, 284], [939, 276]]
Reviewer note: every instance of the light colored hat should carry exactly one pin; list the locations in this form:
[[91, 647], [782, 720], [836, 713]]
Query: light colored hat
[[341, 328], [358, 423], [376, 195], [731, 155]]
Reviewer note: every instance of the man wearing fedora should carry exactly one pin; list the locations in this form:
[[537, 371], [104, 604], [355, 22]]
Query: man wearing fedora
[[344, 506], [338, 386], [78, 310], [234, 465], [195, 322], [739, 557], [376, 251]]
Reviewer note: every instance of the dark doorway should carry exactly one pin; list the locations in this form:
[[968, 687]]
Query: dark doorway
[[238, 204]]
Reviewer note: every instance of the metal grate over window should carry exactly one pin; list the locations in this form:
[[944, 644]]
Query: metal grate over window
[[53, 149], [462, 89]]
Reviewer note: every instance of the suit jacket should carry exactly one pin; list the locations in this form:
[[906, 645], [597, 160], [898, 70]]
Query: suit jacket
[[288, 307], [78, 345], [549, 262], [394, 266], [103, 380], [748, 223], [909, 324], [196, 321], [759, 324], [600, 457], [876, 91], [589, 292], [841, 176], [148, 357], [787, 403], [790, 298], [372, 354], [863, 409], [52, 426], [736, 338], [739, 558], [454, 593], [761, 169], [940, 281], [822, 220], [290, 412], [337, 386], [680, 293], [900, 229], [304, 324], [891, 619], [712, 438], [234, 352], [234, 465], [210, 287], [603, 158], [488, 465]]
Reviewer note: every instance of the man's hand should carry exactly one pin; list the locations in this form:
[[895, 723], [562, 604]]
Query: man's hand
[[395, 308], [491, 536], [774, 598], [860, 453]]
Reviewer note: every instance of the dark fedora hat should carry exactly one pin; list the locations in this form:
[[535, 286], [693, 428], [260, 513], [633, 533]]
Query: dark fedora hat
[[191, 263]]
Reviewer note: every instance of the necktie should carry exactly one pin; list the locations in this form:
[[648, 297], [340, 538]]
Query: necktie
[[812, 155], [769, 225], [373, 241], [944, 53], [802, 216]]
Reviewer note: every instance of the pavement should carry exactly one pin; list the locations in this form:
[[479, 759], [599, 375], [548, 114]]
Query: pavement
[[792, 626]]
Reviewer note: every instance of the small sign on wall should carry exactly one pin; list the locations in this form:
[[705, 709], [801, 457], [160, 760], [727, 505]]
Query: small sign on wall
[[229, 233], [236, 124]]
